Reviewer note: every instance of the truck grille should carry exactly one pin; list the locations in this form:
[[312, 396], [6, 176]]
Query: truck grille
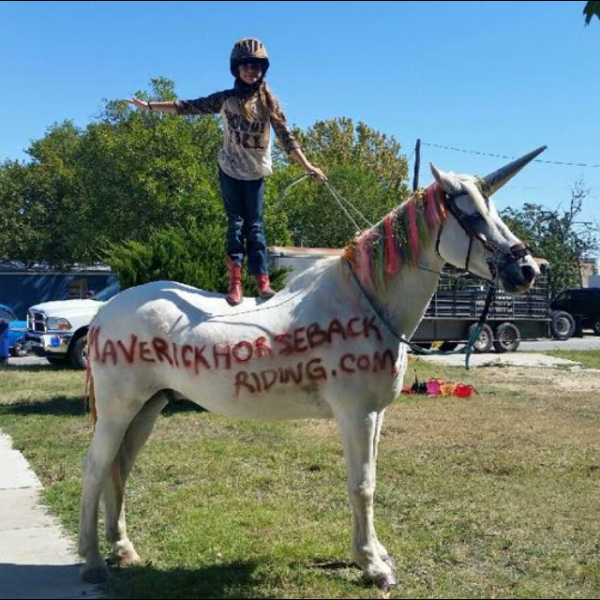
[[36, 322]]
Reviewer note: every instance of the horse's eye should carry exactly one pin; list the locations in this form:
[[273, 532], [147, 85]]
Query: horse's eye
[[476, 218]]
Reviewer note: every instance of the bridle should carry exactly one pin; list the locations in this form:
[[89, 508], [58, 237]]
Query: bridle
[[498, 258]]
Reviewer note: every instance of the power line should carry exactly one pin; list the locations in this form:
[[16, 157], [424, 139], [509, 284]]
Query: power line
[[548, 162]]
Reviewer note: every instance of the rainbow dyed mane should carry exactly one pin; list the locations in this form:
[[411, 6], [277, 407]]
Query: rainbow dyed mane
[[380, 252]]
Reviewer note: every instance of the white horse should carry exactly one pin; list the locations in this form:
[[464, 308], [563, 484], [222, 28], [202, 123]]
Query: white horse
[[325, 347]]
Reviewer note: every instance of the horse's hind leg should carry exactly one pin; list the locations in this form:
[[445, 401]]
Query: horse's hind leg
[[123, 552], [108, 435]]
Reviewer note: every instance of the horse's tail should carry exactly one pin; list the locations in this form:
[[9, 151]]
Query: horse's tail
[[89, 396]]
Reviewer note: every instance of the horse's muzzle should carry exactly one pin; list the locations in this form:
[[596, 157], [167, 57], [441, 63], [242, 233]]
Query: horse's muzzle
[[517, 277]]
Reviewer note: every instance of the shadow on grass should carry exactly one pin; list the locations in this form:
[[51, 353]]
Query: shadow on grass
[[182, 407], [43, 581], [64, 406], [45, 369], [234, 580], [73, 406]]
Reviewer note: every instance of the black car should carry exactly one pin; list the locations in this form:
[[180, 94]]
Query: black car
[[583, 304]]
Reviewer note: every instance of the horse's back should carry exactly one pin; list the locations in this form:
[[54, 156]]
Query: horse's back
[[160, 301]]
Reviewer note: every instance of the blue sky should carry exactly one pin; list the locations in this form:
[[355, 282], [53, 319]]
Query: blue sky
[[494, 77]]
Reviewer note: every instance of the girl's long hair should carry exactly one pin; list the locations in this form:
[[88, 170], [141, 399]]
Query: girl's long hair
[[266, 99]]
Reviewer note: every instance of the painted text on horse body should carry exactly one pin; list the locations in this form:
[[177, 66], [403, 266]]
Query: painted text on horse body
[[228, 356]]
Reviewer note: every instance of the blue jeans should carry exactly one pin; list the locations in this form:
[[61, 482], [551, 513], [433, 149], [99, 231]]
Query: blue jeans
[[244, 201]]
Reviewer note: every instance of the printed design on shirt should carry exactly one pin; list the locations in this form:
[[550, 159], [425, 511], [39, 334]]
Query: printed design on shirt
[[250, 135]]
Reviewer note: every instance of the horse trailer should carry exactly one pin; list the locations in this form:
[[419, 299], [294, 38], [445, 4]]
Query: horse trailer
[[457, 304]]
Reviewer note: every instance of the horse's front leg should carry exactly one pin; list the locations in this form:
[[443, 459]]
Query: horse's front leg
[[383, 553], [359, 430]]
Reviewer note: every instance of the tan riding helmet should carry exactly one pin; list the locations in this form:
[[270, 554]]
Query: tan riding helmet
[[248, 50]]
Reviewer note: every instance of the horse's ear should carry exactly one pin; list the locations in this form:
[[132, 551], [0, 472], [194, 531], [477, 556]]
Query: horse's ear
[[449, 183]]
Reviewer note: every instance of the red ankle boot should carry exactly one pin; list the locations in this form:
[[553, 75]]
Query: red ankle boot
[[235, 293], [264, 287]]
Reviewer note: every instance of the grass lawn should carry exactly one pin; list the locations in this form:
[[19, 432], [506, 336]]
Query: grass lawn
[[590, 359], [496, 496]]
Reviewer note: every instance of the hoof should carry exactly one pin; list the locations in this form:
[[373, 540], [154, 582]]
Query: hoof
[[124, 555], [387, 582], [95, 575], [129, 559]]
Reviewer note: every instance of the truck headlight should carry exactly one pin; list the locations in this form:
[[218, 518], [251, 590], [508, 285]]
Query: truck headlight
[[54, 324]]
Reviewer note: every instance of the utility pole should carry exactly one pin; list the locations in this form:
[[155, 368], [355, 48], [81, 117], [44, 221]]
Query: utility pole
[[417, 166]]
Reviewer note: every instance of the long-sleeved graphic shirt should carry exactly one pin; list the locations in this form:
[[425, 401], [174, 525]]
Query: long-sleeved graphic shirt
[[246, 152]]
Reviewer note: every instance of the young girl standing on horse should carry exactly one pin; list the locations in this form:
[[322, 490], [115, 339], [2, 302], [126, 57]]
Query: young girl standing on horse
[[248, 110]]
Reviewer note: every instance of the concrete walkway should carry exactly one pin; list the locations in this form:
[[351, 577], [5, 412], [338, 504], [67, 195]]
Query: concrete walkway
[[36, 559], [510, 359]]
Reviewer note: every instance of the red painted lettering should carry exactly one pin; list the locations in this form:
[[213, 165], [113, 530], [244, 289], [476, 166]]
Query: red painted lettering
[[199, 360], [336, 328], [352, 332], [364, 363], [93, 342], [161, 349], [241, 381], [269, 379], [344, 366], [316, 336], [295, 375], [222, 351], [175, 359], [109, 351], [145, 353], [243, 351], [129, 352], [185, 356], [300, 340], [369, 325], [384, 362], [285, 340], [262, 347], [315, 370]]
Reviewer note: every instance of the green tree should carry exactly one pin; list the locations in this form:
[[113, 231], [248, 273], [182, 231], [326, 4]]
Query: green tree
[[19, 219], [130, 175], [122, 177], [591, 8], [41, 199], [187, 255], [559, 236], [363, 165]]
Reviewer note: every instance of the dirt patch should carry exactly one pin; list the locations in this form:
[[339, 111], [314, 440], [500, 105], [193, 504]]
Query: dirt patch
[[546, 380]]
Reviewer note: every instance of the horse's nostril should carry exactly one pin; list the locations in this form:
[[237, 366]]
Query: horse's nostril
[[528, 274]]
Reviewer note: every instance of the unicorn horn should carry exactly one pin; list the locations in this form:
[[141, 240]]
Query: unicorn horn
[[493, 182]]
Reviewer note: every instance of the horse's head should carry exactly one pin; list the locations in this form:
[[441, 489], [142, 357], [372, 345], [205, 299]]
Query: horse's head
[[475, 237]]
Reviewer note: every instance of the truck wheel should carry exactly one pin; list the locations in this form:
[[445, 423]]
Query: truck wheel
[[508, 338], [562, 325], [19, 349], [485, 340], [78, 353], [597, 327]]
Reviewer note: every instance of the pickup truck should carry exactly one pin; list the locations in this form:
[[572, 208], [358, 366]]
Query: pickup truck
[[58, 330], [16, 331], [580, 308]]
